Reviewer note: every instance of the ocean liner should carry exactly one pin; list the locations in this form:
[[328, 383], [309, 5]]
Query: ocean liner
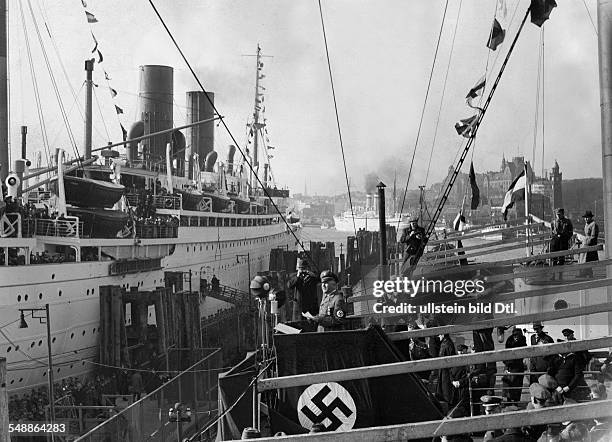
[[166, 205]]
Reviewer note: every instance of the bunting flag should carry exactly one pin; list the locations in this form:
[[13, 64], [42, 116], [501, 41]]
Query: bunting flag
[[475, 190], [96, 43], [113, 92], [271, 147], [540, 11], [519, 183], [83, 3], [118, 110], [106, 76], [90, 17], [124, 132], [467, 126], [100, 58], [476, 91], [496, 36]]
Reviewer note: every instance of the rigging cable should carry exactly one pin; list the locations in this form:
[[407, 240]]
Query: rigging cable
[[108, 137], [197, 79], [41, 118], [416, 142], [54, 84], [470, 141], [590, 17], [450, 57], [348, 186]]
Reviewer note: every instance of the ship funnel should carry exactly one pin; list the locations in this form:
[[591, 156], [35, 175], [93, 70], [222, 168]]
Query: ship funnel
[[155, 106], [368, 202], [201, 138], [210, 161], [230, 159]]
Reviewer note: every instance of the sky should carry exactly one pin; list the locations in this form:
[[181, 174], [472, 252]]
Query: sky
[[381, 54]]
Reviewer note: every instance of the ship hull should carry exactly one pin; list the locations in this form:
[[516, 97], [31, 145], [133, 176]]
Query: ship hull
[[72, 290]]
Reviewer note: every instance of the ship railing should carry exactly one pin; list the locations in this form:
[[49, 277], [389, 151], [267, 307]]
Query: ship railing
[[170, 202], [194, 388], [38, 196], [152, 231], [67, 227]]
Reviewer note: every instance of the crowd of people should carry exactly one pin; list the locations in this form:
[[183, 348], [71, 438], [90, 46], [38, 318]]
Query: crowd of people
[[554, 380]]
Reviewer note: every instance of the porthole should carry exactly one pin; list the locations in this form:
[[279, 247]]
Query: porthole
[[40, 296], [60, 293], [83, 333], [20, 379], [26, 297], [18, 298], [53, 276], [87, 292], [44, 373], [32, 344], [40, 343], [58, 370], [560, 304], [8, 350], [71, 335], [94, 330], [16, 348], [12, 381], [53, 340], [92, 291], [71, 365], [82, 362]]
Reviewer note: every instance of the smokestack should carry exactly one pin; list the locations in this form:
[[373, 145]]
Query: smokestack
[[210, 161], [230, 159], [156, 99], [200, 138], [368, 202]]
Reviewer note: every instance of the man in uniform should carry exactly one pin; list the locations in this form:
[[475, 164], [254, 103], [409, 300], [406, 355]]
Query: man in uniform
[[413, 238], [332, 311], [562, 231], [539, 363], [492, 405]]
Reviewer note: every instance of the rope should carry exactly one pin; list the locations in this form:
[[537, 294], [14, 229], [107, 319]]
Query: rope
[[108, 137], [41, 118], [54, 82], [416, 142], [433, 142], [229, 132], [251, 384], [590, 17]]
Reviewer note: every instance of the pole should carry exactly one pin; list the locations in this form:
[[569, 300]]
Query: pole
[[604, 26], [24, 132], [528, 219], [383, 273], [50, 362], [89, 66], [4, 146], [179, 424], [4, 416]]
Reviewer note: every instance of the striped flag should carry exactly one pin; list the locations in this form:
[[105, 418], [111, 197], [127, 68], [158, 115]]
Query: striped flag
[[459, 222], [475, 190], [118, 110], [113, 92], [519, 183], [90, 17]]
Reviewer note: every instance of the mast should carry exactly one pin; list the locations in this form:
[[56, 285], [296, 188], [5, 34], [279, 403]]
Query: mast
[[256, 114], [4, 147], [89, 65], [604, 24]]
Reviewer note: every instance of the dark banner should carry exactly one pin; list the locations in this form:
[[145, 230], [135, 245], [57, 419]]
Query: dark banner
[[340, 406]]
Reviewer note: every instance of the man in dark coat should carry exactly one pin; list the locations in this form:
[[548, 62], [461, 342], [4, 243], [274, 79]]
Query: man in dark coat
[[460, 379], [305, 285], [513, 382], [568, 370], [413, 239], [562, 231], [445, 387], [539, 363]]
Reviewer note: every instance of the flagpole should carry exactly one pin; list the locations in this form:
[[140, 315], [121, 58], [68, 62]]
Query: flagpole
[[528, 218]]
